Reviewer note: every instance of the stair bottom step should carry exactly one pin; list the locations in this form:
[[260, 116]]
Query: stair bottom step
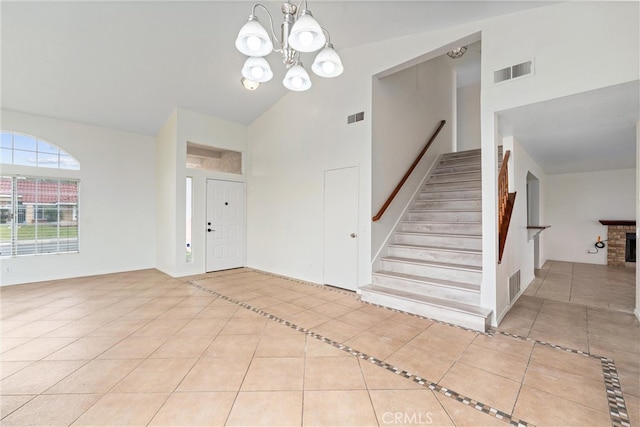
[[468, 316]]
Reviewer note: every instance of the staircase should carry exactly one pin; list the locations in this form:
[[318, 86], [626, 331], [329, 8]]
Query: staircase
[[433, 267]]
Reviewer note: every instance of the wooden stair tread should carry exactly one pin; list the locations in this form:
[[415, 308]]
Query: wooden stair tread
[[470, 199], [429, 280], [427, 210], [439, 248], [416, 261], [457, 181], [428, 233], [440, 222]]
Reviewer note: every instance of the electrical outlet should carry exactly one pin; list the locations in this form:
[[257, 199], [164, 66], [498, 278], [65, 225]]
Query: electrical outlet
[[7, 269]]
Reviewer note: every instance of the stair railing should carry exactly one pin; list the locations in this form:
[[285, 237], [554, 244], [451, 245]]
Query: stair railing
[[408, 173], [505, 204]]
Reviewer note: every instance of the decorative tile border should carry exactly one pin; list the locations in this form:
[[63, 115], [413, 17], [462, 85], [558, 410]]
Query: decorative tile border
[[406, 374], [617, 406]]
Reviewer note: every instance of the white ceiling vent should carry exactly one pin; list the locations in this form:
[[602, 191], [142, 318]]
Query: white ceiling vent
[[513, 72]]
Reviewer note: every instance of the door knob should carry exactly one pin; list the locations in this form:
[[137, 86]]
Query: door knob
[[353, 235]]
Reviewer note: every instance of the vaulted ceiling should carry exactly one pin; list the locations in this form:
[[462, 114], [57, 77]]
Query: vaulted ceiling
[[128, 65]]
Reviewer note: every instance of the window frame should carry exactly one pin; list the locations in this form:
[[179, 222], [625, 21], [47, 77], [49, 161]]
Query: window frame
[[65, 204], [40, 155], [31, 218]]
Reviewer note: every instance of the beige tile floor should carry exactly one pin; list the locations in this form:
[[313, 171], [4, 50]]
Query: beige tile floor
[[585, 307], [592, 285], [246, 348]]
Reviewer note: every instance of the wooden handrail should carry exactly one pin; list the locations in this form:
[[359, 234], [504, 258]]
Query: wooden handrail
[[503, 186], [406, 175], [505, 204]]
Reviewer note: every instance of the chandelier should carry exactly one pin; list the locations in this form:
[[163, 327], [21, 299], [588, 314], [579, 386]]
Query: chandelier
[[299, 32]]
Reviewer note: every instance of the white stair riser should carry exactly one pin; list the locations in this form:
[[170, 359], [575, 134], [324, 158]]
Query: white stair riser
[[471, 167], [428, 254], [453, 228], [477, 323], [454, 177], [458, 185], [453, 194], [456, 205], [445, 216], [463, 296], [448, 242], [435, 271]]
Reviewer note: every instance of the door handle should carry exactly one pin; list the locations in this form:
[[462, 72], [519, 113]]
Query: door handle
[[353, 235], [209, 230]]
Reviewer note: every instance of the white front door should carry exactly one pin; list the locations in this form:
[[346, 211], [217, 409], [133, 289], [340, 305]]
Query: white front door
[[341, 228], [225, 225]]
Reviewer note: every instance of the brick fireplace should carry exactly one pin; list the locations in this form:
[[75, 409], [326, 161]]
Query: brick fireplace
[[617, 241]]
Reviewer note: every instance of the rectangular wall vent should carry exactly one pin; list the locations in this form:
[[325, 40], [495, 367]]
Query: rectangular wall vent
[[514, 286], [502, 75], [513, 72], [355, 117]]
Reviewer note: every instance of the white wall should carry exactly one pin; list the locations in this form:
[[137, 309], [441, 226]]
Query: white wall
[[519, 248], [468, 117], [575, 202], [570, 44], [166, 198], [116, 203], [182, 126], [285, 181], [408, 106]]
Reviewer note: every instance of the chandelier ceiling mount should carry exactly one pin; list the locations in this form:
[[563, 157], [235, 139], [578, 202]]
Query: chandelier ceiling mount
[[457, 52]]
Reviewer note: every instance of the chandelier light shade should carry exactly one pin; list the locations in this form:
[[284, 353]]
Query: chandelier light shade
[[257, 68], [297, 79], [300, 33], [306, 34], [327, 63], [253, 39]]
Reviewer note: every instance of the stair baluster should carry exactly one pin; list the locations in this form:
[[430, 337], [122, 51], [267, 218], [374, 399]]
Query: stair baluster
[[505, 205]]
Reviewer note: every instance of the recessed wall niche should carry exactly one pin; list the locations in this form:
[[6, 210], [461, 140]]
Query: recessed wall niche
[[211, 158]]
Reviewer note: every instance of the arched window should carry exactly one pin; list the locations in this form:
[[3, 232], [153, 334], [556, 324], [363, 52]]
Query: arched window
[[26, 150], [38, 215]]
